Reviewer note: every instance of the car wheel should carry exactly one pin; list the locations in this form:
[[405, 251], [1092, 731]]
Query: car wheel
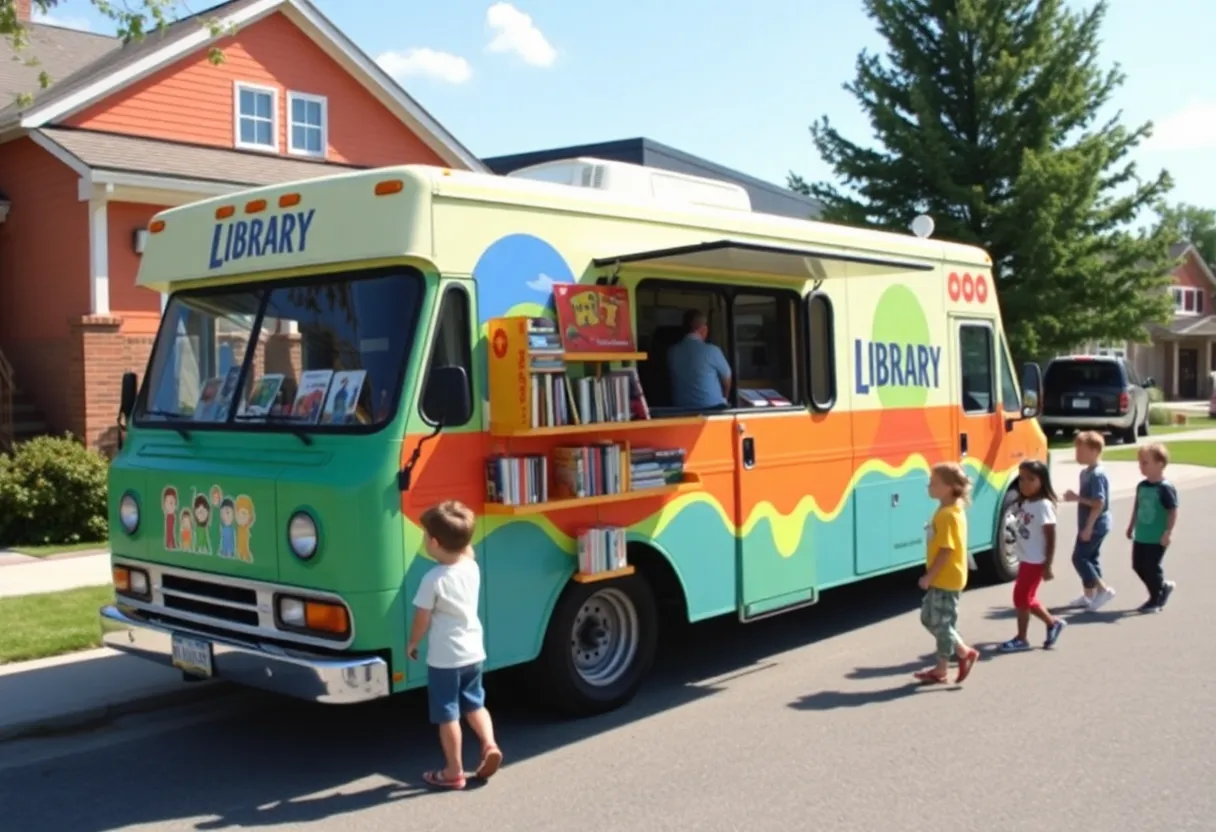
[[1128, 435], [1143, 431], [600, 644]]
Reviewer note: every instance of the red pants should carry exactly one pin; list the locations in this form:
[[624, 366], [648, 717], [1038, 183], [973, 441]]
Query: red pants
[[1026, 587]]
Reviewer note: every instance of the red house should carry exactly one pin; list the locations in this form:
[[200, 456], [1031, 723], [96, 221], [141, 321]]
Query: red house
[[126, 130]]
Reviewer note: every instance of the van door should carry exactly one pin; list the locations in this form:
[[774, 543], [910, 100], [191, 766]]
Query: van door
[[778, 451], [977, 415]]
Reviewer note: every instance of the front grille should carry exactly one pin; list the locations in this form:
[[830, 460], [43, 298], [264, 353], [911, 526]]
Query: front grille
[[221, 602]]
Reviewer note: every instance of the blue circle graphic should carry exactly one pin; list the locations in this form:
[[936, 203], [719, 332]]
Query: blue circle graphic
[[517, 269]]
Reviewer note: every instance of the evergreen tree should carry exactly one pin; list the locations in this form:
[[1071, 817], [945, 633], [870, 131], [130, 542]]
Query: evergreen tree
[[985, 114]]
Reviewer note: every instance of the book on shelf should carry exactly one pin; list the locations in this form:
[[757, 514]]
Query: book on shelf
[[543, 336], [752, 398], [601, 549], [517, 480], [552, 400], [590, 470], [655, 467], [774, 398]]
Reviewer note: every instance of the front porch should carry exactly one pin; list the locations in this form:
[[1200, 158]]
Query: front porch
[[1186, 355]]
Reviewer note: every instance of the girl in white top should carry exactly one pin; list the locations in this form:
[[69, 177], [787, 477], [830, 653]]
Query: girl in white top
[[1035, 544]]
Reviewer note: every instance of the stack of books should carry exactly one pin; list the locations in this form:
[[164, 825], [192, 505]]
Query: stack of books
[[590, 470], [655, 467], [601, 549], [517, 480]]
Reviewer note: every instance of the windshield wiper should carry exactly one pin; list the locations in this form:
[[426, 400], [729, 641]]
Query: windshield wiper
[[296, 431], [169, 414]]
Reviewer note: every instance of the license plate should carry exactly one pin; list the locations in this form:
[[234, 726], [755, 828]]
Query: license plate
[[1080, 404], [192, 655]]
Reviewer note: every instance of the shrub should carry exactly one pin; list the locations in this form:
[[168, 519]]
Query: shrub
[[52, 491], [1155, 395], [1160, 416]]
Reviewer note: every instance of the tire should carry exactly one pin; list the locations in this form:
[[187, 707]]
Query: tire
[[1143, 430], [1000, 564], [1128, 436], [600, 644]]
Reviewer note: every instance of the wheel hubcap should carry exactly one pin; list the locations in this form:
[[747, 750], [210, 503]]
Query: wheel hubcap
[[604, 638], [1009, 536]]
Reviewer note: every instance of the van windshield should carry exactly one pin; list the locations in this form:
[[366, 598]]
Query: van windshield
[[317, 353]]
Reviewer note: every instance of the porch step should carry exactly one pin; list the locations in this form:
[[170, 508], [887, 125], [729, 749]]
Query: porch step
[[28, 421]]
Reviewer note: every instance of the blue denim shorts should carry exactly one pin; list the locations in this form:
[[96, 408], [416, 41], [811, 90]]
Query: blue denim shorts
[[452, 691]]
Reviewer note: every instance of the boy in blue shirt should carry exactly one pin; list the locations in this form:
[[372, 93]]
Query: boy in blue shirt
[[1093, 521]]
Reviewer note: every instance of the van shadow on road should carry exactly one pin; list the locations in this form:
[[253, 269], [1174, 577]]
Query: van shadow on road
[[279, 762]]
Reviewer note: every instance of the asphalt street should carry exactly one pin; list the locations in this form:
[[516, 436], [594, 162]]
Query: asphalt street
[[804, 721]]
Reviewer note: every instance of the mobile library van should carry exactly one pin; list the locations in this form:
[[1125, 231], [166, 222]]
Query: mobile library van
[[338, 355]]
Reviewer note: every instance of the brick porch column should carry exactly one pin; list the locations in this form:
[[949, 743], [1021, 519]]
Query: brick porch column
[[99, 357]]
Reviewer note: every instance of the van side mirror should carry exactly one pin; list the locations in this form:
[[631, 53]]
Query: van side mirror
[[446, 397], [130, 388], [1032, 390], [1148, 382]]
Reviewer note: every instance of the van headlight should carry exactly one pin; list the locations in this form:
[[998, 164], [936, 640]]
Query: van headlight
[[128, 513], [302, 535]]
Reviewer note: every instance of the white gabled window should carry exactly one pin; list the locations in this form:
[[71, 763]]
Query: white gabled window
[[307, 124], [1187, 300], [256, 117]]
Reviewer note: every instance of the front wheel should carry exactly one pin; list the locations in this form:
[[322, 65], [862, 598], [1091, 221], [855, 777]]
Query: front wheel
[[1001, 564], [600, 644]]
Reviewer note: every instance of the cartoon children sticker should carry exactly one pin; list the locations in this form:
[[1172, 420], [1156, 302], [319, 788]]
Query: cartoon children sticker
[[202, 524], [168, 502], [185, 536], [227, 528], [244, 524]]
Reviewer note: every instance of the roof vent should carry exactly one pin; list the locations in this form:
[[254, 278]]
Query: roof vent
[[652, 184]]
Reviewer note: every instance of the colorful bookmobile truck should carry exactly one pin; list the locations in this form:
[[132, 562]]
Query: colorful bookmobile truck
[[340, 354]]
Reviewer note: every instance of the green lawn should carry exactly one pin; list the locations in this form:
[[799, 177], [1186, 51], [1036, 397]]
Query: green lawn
[[1181, 453], [60, 549], [37, 626], [1197, 422]]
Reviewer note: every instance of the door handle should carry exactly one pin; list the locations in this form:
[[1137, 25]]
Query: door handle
[[895, 501], [749, 452], [962, 443]]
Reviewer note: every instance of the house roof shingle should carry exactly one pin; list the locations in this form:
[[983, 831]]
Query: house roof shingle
[[118, 55], [59, 52], [132, 154]]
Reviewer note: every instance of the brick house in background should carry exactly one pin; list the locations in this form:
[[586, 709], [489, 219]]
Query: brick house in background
[[1181, 354], [126, 130]]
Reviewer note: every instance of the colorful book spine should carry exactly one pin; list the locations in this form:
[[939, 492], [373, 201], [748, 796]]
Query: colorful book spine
[[601, 549], [655, 467], [518, 480], [590, 470]]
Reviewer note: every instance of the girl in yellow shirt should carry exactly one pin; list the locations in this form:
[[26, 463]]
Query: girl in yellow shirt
[[945, 577]]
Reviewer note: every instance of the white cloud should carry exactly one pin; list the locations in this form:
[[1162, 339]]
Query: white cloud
[[514, 32], [543, 283], [78, 23], [426, 63], [1191, 128]]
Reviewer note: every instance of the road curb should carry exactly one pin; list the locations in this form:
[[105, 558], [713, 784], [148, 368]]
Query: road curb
[[85, 719]]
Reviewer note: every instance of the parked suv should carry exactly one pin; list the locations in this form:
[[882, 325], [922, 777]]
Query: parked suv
[[1093, 392]]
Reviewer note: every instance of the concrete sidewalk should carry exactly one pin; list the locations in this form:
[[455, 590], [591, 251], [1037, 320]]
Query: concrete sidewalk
[[34, 575]]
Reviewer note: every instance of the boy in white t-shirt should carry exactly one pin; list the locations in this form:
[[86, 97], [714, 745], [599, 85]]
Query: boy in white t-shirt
[[446, 606], [1036, 548]]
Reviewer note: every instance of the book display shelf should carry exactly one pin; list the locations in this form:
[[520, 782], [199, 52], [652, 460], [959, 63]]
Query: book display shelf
[[568, 380]]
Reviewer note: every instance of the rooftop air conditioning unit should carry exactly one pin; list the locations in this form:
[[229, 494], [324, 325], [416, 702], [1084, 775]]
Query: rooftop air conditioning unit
[[639, 182]]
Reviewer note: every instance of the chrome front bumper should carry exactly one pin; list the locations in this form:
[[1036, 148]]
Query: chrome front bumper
[[276, 669]]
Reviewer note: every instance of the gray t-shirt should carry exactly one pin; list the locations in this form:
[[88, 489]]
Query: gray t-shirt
[[1094, 484]]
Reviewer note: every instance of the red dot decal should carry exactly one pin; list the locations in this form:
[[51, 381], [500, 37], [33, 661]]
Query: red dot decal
[[954, 287], [981, 289], [968, 288], [499, 342]]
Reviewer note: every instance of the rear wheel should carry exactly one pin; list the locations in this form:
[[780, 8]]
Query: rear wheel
[[1128, 436], [1143, 431], [600, 644], [1000, 565]]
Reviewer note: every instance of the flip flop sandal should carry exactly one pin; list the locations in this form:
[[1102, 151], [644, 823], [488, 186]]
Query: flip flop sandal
[[490, 763], [929, 677], [965, 663], [439, 780]]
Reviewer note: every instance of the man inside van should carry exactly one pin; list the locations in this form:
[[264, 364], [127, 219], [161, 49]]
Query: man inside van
[[700, 376]]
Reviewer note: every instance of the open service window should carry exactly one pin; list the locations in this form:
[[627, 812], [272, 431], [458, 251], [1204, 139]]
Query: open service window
[[757, 332]]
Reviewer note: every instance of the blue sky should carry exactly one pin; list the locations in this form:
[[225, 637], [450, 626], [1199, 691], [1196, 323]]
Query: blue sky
[[735, 82]]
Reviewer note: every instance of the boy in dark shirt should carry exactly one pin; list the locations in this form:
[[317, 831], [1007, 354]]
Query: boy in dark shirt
[[1093, 521], [1152, 523]]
